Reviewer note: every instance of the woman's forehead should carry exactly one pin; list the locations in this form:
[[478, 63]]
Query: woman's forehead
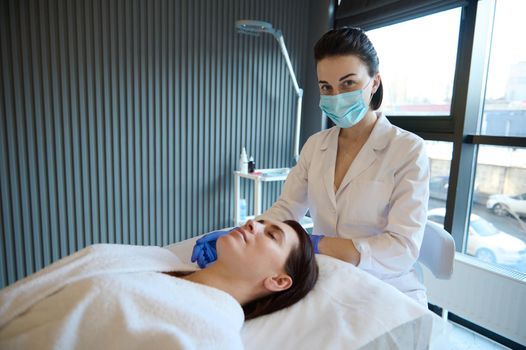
[[290, 233], [336, 67]]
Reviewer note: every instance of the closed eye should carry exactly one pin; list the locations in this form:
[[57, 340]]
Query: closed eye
[[271, 235], [273, 231]]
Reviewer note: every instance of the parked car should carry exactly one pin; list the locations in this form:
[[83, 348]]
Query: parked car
[[438, 186], [486, 242], [503, 205]]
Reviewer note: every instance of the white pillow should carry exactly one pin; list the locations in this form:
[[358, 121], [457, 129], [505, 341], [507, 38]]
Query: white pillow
[[347, 309]]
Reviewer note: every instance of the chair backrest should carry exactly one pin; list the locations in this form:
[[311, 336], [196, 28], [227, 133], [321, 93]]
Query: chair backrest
[[438, 251]]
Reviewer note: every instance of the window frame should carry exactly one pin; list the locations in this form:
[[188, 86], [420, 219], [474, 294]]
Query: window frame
[[461, 126]]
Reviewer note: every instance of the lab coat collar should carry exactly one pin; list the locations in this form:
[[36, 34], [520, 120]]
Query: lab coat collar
[[377, 141], [378, 137]]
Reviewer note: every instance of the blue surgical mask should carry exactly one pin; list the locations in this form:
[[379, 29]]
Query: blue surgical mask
[[346, 109]]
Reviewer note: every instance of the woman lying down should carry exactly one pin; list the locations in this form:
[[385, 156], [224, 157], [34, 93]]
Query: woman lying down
[[125, 297]]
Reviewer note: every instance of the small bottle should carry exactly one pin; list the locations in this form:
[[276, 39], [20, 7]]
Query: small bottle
[[251, 165], [242, 211], [243, 161]]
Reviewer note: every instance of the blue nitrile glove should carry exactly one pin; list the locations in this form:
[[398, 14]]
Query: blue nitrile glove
[[315, 240], [205, 248]]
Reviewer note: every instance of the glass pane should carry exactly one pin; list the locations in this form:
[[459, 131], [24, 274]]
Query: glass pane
[[497, 229], [439, 163], [417, 63], [505, 100]]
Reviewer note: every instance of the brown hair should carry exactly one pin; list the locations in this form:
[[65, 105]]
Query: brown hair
[[351, 41], [301, 266]]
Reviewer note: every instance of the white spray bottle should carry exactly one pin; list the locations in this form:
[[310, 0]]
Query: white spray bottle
[[243, 161]]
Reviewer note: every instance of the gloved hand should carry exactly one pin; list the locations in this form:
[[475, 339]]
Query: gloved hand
[[204, 251], [315, 240]]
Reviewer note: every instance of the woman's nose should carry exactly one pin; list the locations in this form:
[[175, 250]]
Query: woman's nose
[[252, 226]]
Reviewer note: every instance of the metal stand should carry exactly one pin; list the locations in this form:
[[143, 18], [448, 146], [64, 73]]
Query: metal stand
[[259, 176]]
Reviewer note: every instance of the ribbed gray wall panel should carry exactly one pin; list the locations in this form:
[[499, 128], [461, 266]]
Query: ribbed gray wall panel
[[122, 121]]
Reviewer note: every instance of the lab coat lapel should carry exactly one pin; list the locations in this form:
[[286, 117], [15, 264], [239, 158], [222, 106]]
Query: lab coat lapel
[[367, 155], [363, 160], [328, 148]]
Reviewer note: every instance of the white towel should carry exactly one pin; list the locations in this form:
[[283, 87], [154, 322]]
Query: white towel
[[113, 296]]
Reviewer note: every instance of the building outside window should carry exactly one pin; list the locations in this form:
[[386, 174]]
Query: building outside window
[[505, 94]]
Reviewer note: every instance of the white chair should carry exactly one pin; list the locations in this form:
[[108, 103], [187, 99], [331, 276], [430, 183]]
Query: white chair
[[437, 252]]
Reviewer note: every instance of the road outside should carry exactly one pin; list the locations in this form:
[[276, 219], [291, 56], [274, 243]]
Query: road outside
[[507, 224]]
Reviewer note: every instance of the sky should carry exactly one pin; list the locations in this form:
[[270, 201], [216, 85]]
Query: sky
[[508, 46], [417, 61], [422, 52]]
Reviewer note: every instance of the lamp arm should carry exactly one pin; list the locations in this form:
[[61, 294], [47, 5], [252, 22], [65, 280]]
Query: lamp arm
[[298, 127], [279, 38]]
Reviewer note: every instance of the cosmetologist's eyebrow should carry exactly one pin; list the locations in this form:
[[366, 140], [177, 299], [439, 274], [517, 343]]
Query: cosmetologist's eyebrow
[[346, 76], [342, 78]]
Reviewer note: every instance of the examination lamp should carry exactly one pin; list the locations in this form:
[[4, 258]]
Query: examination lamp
[[255, 28]]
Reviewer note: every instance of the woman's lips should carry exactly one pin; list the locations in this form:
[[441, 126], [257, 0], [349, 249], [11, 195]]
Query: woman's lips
[[240, 231]]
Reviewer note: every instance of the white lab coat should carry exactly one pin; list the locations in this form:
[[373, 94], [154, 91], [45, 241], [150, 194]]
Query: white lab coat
[[381, 204]]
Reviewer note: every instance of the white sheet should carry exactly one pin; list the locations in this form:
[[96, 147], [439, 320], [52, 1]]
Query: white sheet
[[110, 296], [347, 309]]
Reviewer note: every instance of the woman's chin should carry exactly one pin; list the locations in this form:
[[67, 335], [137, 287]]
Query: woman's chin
[[230, 243]]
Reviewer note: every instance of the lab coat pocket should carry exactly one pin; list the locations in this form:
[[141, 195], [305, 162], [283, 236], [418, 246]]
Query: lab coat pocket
[[367, 203]]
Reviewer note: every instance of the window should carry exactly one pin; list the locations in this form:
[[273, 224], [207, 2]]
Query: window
[[497, 228], [505, 97], [470, 107], [439, 154], [417, 63]]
